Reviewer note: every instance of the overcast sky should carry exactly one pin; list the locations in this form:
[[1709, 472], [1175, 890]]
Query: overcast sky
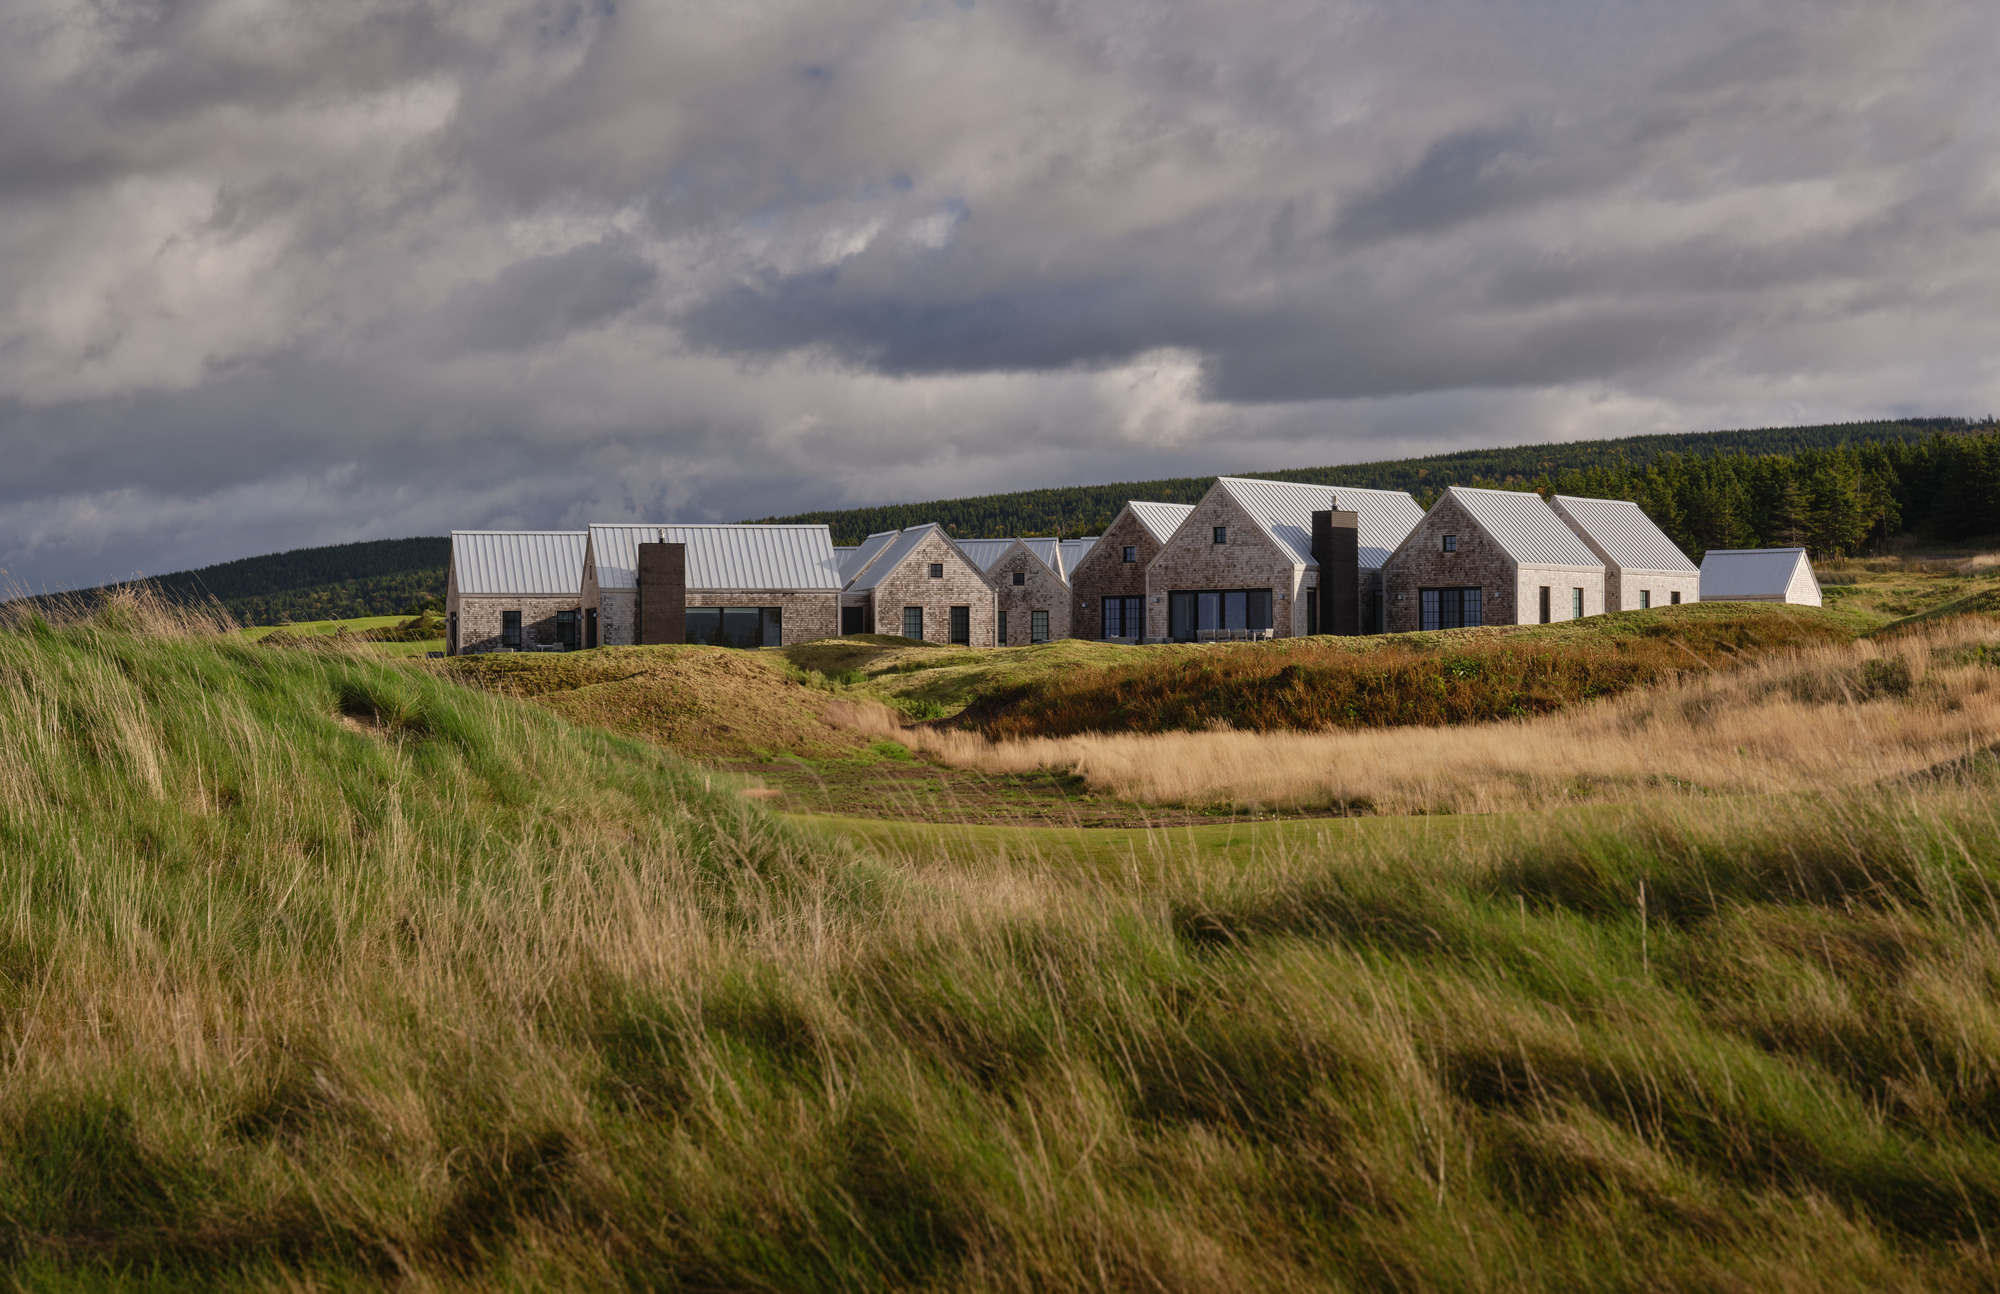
[[276, 274]]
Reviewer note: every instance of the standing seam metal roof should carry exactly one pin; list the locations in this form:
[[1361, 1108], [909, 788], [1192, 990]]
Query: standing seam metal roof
[[857, 558], [723, 557], [894, 554], [1163, 519], [518, 563], [1525, 527], [1626, 534], [1760, 572], [1383, 518], [1074, 551]]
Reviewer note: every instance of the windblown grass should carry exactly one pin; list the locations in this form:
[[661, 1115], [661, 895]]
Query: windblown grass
[[321, 972], [1851, 714], [1461, 676]]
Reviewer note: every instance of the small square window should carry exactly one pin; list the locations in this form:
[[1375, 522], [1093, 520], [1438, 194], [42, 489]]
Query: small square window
[[937, 570], [1020, 578], [1675, 598], [1131, 553], [1451, 543], [1222, 534]]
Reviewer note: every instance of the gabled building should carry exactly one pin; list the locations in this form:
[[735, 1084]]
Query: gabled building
[[1276, 558], [1491, 557], [1032, 598], [728, 585], [1642, 567], [513, 590], [1108, 582], [1759, 575], [918, 583]]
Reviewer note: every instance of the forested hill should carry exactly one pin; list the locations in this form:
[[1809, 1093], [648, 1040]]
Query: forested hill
[[1086, 509], [376, 577]]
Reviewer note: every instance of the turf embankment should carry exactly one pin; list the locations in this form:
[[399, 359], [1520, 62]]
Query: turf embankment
[[1458, 676], [321, 972]]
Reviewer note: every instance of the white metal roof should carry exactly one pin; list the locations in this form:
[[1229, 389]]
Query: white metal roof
[[893, 555], [1163, 519], [518, 563], [857, 558], [1750, 572], [1525, 526], [1075, 550], [723, 557], [1625, 533], [1383, 518], [985, 552]]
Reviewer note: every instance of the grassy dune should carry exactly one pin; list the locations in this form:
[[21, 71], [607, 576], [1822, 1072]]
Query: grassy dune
[[322, 972]]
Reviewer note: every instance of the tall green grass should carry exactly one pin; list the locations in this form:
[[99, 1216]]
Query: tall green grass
[[320, 972]]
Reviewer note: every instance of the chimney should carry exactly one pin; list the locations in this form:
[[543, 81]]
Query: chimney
[[1336, 547], [662, 594]]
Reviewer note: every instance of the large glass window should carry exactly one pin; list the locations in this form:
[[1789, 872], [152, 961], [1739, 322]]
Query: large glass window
[[566, 628], [736, 626], [1038, 626], [510, 628], [1449, 608], [913, 622], [1124, 617], [1193, 613], [961, 626]]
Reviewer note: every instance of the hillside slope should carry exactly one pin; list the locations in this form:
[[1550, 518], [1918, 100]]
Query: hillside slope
[[322, 972]]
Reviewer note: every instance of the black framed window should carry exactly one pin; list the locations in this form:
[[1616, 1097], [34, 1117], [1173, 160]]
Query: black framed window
[[1645, 599], [1222, 534], [1545, 604], [937, 570], [510, 628], [566, 628], [961, 626], [913, 623], [1131, 553], [1124, 617], [451, 633], [1449, 608], [1003, 628], [736, 626], [1451, 543], [1190, 613], [1674, 598], [1020, 578], [1038, 626], [590, 627], [1576, 604], [851, 619]]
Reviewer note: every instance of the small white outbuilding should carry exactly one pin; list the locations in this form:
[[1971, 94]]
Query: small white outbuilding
[[1758, 575]]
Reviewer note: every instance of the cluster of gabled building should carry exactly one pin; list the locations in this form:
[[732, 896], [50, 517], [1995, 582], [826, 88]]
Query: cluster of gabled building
[[1253, 559]]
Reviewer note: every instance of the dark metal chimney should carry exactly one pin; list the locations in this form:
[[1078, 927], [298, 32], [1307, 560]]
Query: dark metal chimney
[[1336, 547], [662, 594]]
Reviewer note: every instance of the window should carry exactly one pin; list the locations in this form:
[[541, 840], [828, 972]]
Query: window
[[1645, 599], [961, 626], [1674, 598], [1222, 534], [1124, 617], [1131, 553], [1545, 604], [1189, 614], [913, 623], [736, 626], [590, 627], [451, 633], [510, 628], [1020, 578], [1449, 608], [1451, 543], [937, 570], [852, 619], [1038, 626], [1003, 628], [1576, 604], [566, 628]]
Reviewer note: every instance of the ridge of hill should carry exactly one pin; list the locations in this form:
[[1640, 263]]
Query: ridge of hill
[[389, 576], [1076, 510]]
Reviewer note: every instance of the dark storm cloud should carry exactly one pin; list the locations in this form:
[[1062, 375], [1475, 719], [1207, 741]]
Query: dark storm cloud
[[274, 275]]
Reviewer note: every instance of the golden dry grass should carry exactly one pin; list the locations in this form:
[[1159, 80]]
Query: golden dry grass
[[1817, 718]]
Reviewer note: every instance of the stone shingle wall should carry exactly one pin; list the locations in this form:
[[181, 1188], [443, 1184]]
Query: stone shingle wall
[[1040, 590], [479, 620], [910, 585], [1421, 563], [1104, 573], [806, 616], [1192, 560]]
